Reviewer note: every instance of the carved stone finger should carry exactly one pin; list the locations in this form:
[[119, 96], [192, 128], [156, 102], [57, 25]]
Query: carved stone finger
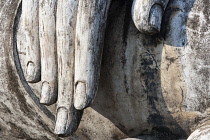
[[48, 51], [91, 23], [147, 15], [31, 32], [68, 117]]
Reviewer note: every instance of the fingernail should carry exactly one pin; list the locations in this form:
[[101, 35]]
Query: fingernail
[[80, 96], [61, 120], [45, 95], [156, 14], [30, 72]]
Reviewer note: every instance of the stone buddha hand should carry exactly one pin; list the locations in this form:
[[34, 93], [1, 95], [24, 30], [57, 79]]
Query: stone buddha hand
[[63, 43]]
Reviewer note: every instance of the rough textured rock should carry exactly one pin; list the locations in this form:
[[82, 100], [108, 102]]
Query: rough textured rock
[[155, 85]]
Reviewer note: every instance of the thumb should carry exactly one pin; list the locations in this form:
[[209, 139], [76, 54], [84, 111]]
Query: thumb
[[147, 15]]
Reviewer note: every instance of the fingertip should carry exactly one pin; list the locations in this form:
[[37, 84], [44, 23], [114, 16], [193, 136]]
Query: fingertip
[[155, 18], [32, 75], [61, 121], [67, 121], [48, 97], [80, 96], [147, 16]]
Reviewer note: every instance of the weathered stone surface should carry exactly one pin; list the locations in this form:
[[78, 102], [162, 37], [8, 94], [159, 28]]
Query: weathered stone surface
[[149, 85], [202, 133]]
